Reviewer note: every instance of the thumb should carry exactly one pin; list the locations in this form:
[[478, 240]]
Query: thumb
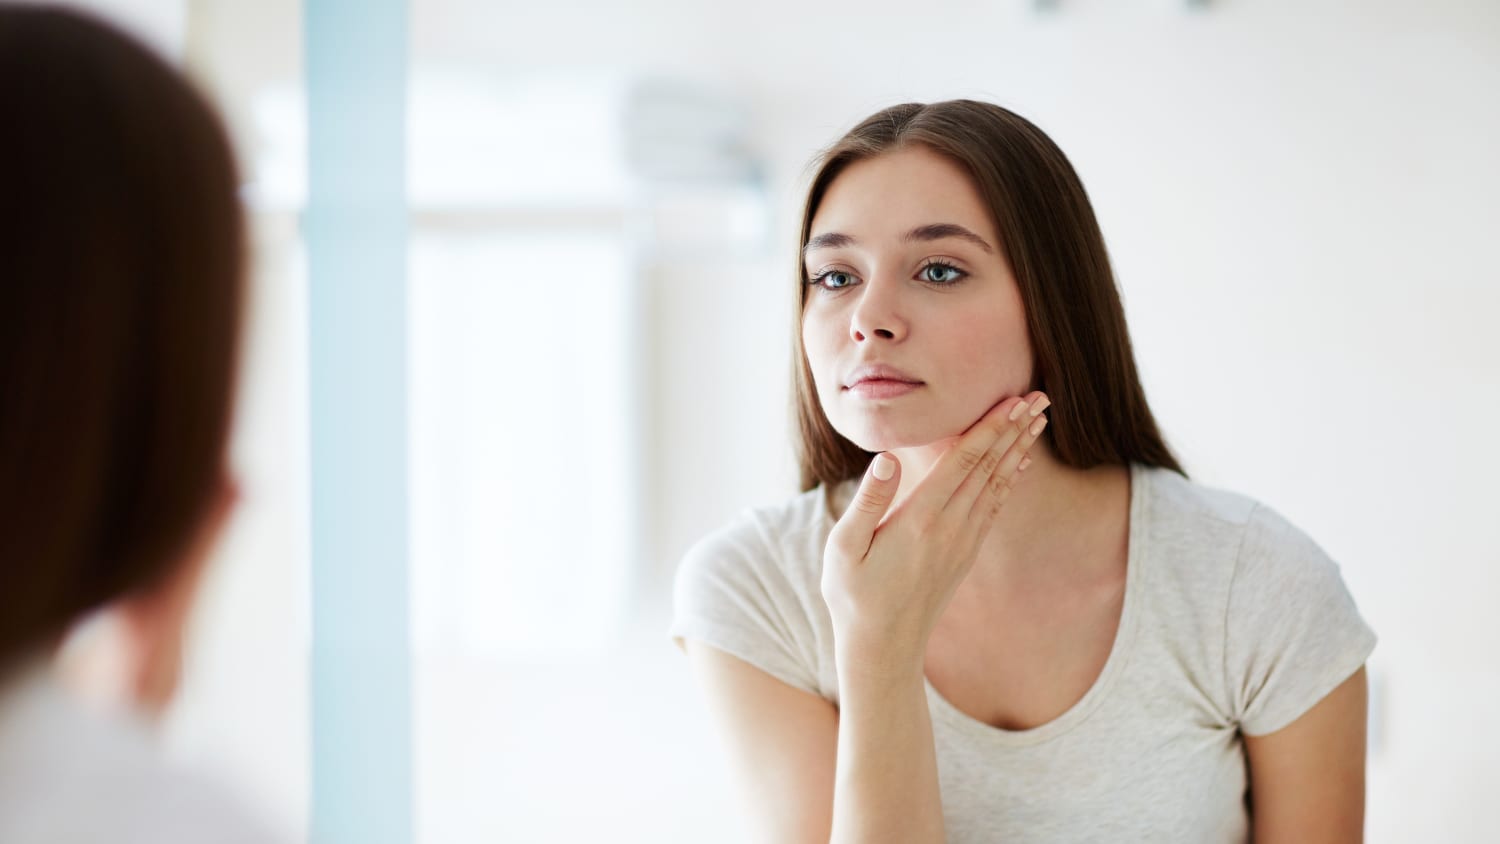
[[856, 529]]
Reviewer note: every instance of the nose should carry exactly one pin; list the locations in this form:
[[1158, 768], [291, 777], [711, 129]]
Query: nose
[[878, 313]]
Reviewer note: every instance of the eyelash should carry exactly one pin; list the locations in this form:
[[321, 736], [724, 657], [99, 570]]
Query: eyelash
[[817, 280]]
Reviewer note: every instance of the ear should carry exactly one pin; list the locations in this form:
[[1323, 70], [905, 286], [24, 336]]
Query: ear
[[157, 619], [131, 652]]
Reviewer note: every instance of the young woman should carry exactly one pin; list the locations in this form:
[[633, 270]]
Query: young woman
[[121, 264], [1000, 611]]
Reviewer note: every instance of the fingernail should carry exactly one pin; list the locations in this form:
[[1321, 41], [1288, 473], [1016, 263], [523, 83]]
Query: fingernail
[[1041, 404], [1025, 461], [1015, 412], [884, 467], [1038, 425]]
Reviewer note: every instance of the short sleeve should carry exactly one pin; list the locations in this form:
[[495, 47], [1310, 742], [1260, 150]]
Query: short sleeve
[[732, 591], [1293, 633]]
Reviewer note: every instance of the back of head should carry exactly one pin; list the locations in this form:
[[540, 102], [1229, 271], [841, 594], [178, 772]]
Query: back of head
[[121, 280]]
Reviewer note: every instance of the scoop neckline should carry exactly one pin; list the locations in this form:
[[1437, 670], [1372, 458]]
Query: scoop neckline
[[1114, 664]]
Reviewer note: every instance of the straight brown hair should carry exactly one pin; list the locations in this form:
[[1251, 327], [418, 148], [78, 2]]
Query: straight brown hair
[[121, 280], [1048, 232]]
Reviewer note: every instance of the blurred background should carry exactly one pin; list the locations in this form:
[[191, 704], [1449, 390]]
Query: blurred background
[[1301, 198]]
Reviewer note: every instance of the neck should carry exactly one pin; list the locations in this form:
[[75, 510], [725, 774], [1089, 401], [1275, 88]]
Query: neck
[[1053, 514]]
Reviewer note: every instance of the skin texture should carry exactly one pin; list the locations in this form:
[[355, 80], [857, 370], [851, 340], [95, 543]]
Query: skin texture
[[926, 574], [887, 303]]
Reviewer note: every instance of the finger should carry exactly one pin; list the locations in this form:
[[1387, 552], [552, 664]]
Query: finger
[[973, 487], [988, 505], [855, 530], [967, 455]]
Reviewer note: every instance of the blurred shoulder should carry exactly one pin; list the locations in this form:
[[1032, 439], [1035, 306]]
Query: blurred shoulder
[[70, 773]]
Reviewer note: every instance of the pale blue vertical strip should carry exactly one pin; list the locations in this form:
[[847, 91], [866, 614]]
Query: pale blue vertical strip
[[356, 228]]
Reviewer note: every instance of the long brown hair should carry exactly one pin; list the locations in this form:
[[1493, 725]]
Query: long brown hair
[[121, 280], [1047, 229]]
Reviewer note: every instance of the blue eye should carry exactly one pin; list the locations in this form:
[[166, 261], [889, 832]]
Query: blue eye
[[833, 280], [940, 273]]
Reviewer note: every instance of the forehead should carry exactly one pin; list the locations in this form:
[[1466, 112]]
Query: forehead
[[890, 194]]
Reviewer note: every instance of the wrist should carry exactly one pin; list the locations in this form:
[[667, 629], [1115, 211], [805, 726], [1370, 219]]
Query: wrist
[[880, 663]]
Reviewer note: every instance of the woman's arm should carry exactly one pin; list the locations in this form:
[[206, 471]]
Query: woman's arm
[[888, 574], [781, 742], [886, 789], [1307, 780], [787, 748], [867, 772]]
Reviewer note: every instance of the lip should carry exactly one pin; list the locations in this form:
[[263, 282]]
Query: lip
[[882, 388], [880, 381]]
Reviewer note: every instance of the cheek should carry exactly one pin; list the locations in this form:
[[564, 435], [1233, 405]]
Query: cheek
[[819, 346], [991, 356]]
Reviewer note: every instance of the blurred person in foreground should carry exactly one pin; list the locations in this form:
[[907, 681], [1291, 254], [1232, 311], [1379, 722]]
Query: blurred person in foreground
[[121, 288], [923, 646]]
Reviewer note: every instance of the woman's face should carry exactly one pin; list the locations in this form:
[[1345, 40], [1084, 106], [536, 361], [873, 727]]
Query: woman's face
[[913, 324]]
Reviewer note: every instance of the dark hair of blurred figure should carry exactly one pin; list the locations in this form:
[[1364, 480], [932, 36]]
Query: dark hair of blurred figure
[[1048, 232], [121, 282]]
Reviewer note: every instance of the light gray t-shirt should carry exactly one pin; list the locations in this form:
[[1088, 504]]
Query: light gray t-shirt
[[72, 775], [1233, 622]]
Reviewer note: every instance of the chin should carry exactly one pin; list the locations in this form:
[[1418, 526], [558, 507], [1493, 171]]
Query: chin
[[872, 434]]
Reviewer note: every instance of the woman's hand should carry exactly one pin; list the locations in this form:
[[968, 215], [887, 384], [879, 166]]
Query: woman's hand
[[887, 580]]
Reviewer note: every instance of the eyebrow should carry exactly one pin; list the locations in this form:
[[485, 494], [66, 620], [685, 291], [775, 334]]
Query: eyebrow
[[929, 232]]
